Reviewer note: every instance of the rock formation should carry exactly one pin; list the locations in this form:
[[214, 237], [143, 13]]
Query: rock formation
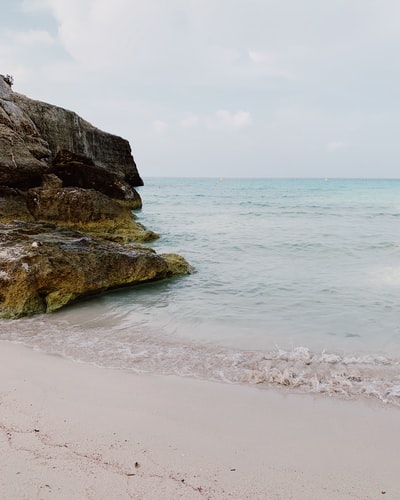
[[49, 155], [66, 200]]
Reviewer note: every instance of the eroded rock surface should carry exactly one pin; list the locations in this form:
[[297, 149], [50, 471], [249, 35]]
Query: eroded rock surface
[[66, 200], [86, 210], [43, 268], [39, 141], [38, 138]]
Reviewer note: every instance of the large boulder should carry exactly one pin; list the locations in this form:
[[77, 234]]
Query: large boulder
[[43, 268]]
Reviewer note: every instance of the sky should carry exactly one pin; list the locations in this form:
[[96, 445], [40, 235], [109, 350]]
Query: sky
[[220, 88]]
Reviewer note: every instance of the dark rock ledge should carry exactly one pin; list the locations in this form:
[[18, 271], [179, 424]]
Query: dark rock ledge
[[66, 200]]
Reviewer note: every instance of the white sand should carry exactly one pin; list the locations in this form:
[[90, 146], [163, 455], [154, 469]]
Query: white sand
[[71, 431]]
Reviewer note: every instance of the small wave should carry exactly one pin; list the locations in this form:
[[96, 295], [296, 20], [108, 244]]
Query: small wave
[[327, 373], [345, 376]]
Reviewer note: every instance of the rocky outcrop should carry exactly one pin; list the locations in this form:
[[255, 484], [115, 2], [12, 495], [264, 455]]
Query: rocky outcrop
[[43, 268], [38, 140], [66, 200]]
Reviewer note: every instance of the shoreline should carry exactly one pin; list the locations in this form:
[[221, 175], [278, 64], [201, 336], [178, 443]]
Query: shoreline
[[70, 430]]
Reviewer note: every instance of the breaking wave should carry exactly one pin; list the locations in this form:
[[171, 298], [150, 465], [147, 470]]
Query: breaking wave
[[332, 374]]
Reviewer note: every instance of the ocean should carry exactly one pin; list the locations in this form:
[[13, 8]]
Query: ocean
[[296, 283]]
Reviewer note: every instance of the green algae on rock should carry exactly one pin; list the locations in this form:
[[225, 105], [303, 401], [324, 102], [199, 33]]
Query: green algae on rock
[[85, 210], [43, 268]]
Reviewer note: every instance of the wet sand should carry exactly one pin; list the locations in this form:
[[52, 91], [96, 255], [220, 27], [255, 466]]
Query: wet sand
[[69, 430]]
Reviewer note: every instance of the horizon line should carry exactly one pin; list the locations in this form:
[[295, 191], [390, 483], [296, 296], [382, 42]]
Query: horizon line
[[218, 177]]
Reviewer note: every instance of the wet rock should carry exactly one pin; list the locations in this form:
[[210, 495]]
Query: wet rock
[[43, 268], [176, 264]]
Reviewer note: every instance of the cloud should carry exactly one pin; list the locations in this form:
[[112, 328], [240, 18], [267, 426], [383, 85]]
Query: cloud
[[220, 120], [258, 57], [190, 120], [293, 73], [334, 146], [33, 5], [188, 41], [159, 127], [266, 63], [24, 53], [32, 37], [226, 120], [297, 115]]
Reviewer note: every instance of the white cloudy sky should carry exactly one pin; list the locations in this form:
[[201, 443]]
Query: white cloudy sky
[[267, 88]]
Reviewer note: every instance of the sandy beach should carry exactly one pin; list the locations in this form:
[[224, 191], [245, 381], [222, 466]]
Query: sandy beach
[[70, 430]]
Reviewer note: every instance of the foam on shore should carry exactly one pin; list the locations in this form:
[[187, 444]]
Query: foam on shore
[[337, 374]]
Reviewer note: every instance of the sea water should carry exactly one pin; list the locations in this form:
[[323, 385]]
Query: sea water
[[296, 282]]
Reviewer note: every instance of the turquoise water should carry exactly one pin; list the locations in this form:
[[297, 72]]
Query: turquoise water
[[296, 282]]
